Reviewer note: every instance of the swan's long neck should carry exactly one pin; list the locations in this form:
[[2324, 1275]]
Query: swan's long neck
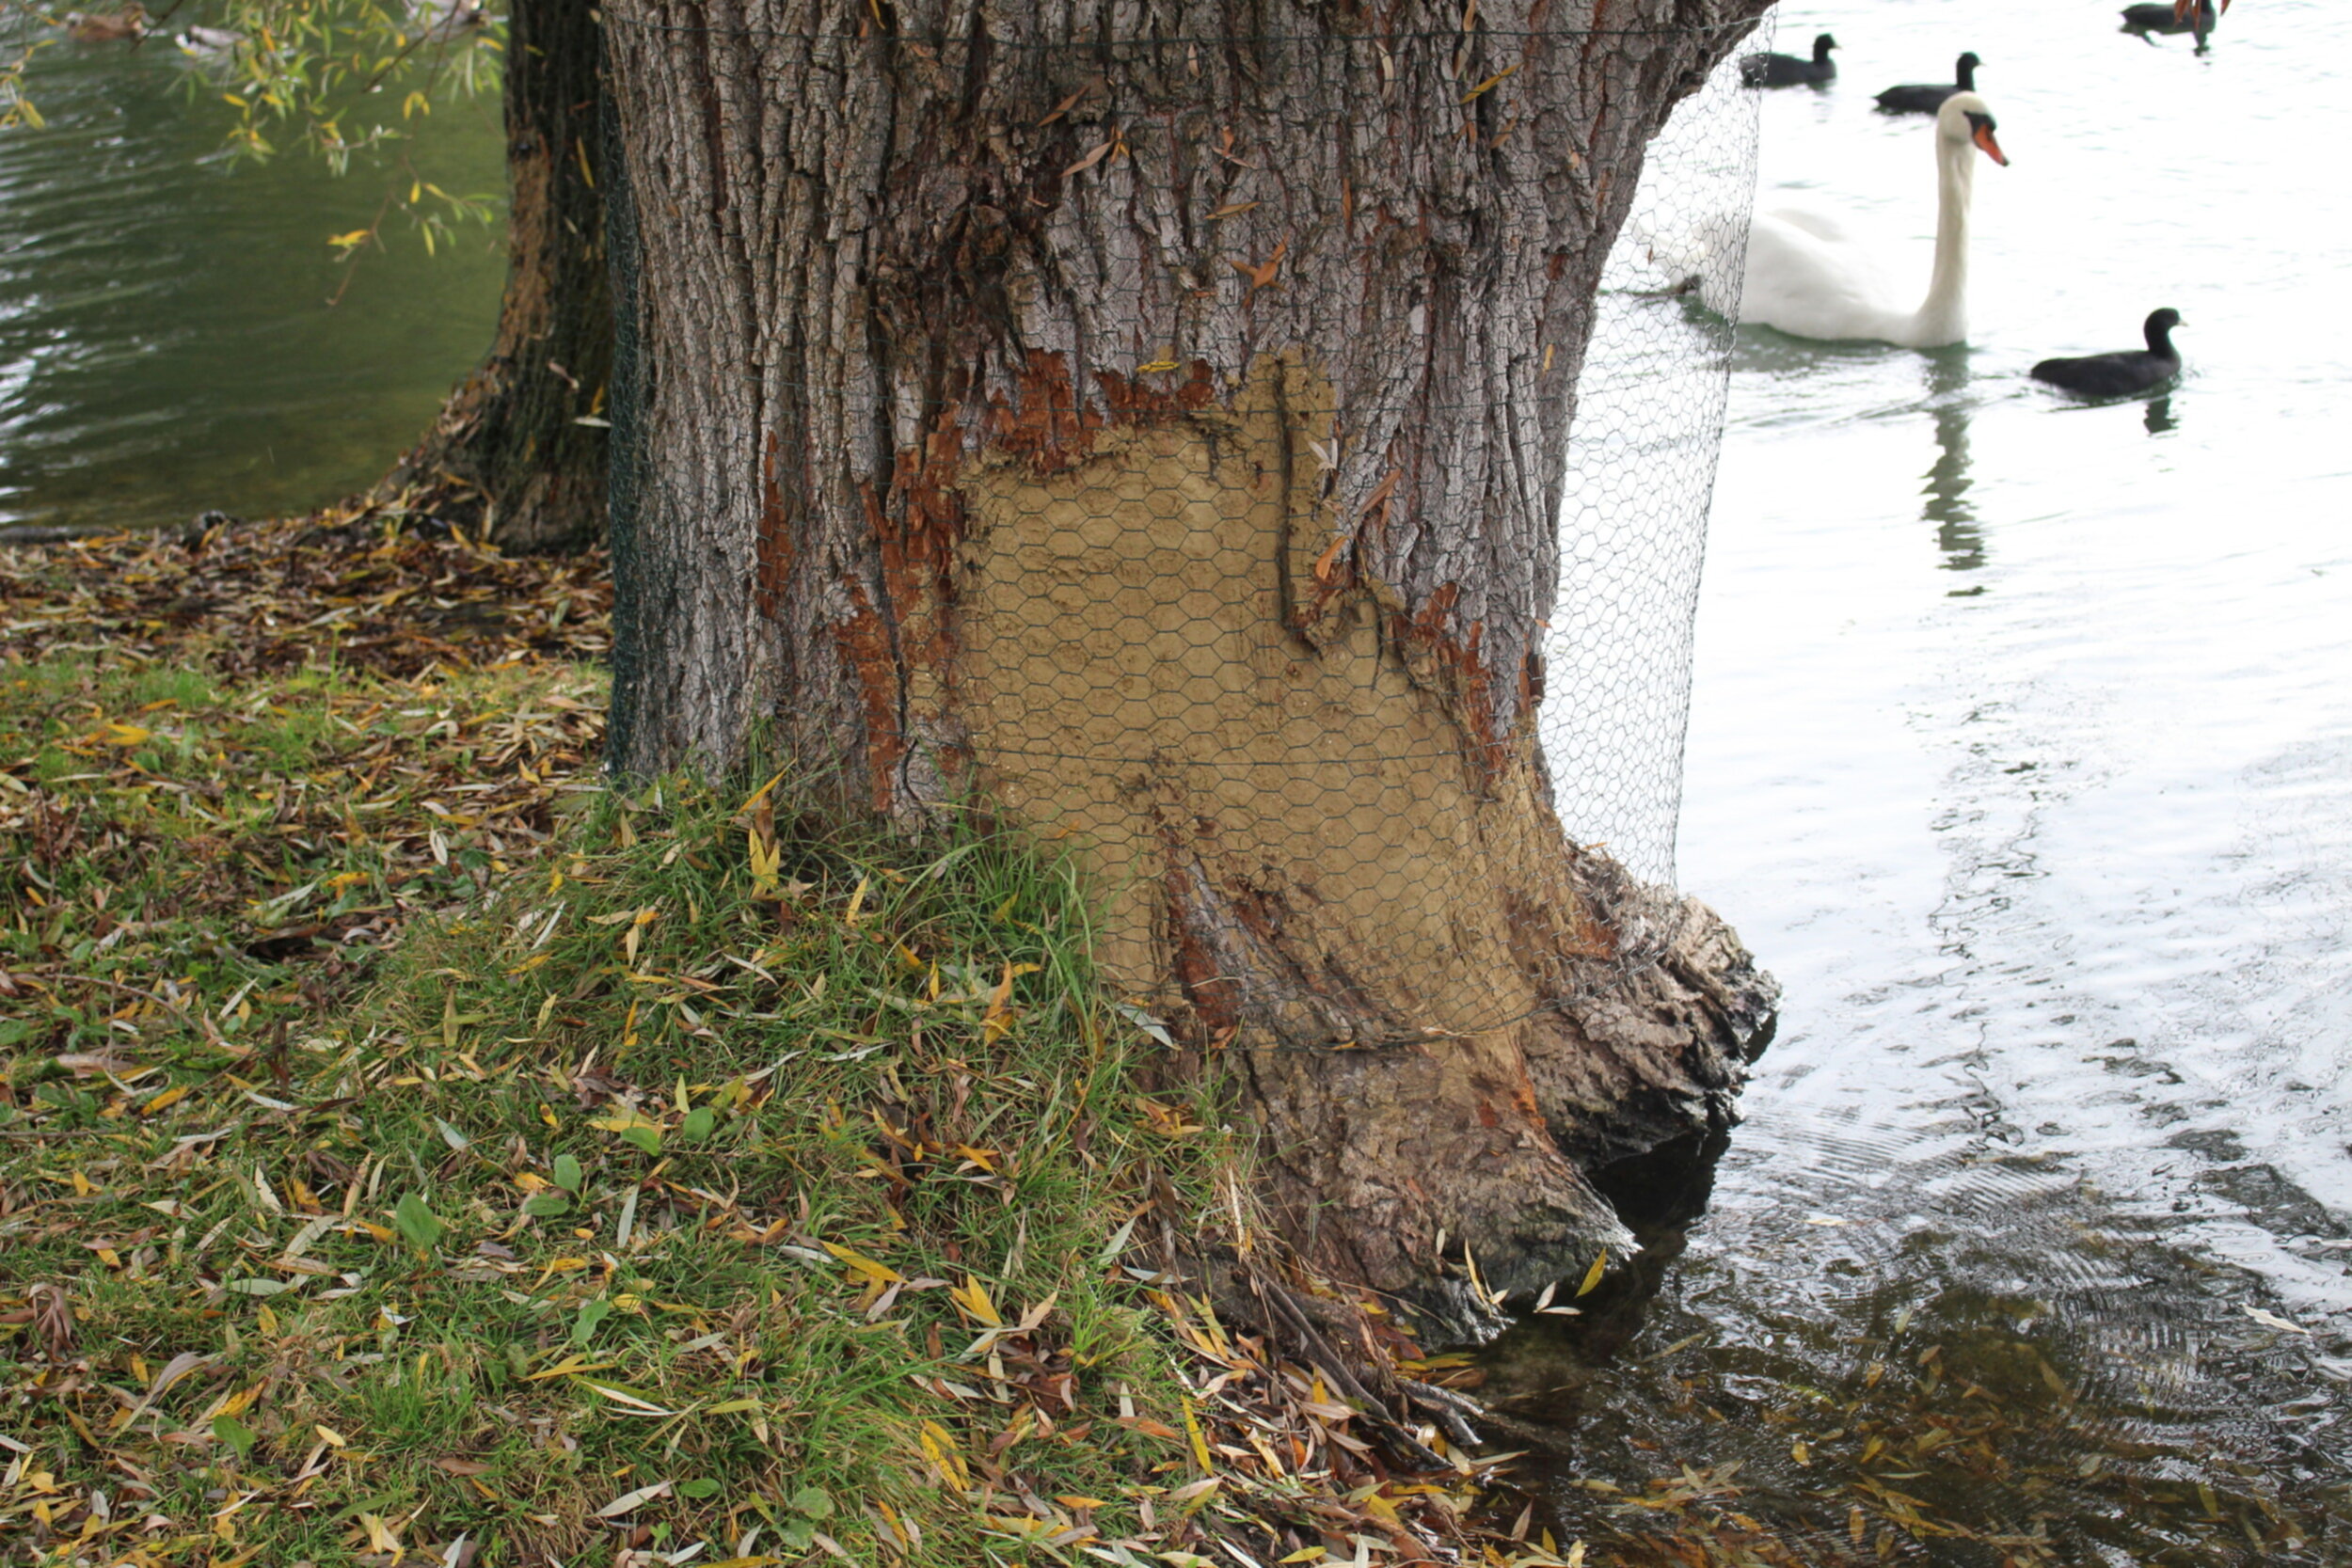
[[1943, 315]]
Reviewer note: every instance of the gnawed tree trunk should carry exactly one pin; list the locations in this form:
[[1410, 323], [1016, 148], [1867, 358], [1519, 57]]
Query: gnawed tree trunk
[[1153, 418], [508, 448]]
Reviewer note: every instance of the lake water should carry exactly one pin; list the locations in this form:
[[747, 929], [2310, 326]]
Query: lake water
[[2021, 752], [166, 346]]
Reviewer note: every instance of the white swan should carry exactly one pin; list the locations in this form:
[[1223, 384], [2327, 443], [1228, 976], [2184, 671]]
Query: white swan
[[1809, 278]]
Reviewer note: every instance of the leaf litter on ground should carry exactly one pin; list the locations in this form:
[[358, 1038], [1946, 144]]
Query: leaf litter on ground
[[412, 1152]]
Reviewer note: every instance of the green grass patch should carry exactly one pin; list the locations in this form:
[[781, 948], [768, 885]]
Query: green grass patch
[[412, 1152], [716, 1182]]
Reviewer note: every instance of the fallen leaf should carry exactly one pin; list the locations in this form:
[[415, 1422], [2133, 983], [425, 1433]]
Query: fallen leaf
[[1093, 157], [2272, 1319], [630, 1502]]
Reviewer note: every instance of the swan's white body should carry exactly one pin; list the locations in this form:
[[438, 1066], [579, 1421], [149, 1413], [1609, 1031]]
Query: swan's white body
[[1809, 278]]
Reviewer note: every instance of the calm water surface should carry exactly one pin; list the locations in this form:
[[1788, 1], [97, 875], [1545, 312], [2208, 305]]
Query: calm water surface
[[166, 343], [2022, 753]]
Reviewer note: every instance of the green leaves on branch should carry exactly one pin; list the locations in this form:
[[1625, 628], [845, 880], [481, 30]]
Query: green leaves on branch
[[337, 79], [16, 110]]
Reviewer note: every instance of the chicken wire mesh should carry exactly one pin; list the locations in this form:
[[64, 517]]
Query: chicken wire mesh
[[1145, 617], [1641, 458]]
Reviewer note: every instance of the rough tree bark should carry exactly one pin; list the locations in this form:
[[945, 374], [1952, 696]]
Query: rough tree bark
[[1152, 417], [507, 447]]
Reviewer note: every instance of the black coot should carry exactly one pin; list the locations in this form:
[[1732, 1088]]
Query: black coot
[[1788, 70], [1925, 98], [2116, 375]]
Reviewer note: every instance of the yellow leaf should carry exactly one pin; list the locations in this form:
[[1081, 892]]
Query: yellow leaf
[[761, 793], [1200, 1444], [127, 735], [973, 1298], [941, 1447], [857, 900], [165, 1101], [767, 860], [1592, 1276], [996, 1020], [330, 1436], [566, 1367], [864, 1267]]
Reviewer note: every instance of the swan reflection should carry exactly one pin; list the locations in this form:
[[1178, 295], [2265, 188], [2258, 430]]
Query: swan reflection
[[1947, 478]]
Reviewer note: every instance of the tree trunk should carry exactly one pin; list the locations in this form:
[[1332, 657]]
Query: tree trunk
[[508, 448], [1152, 419]]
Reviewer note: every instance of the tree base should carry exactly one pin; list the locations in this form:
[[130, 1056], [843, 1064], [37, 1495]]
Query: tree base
[[1446, 1018]]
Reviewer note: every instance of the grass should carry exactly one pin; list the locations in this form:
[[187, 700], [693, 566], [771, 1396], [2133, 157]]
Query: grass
[[637, 1184], [412, 1152], [184, 832]]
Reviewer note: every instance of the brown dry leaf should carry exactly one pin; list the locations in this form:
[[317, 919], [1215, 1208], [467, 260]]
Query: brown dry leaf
[[1071, 101], [1095, 156], [53, 1318], [1261, 275]]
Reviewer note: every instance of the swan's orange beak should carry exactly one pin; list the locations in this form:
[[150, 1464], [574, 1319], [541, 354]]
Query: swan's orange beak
[[1991, 149]]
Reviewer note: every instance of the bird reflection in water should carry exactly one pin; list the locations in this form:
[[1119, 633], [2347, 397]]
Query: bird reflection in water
[[2159, 415], [1948, 479]]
